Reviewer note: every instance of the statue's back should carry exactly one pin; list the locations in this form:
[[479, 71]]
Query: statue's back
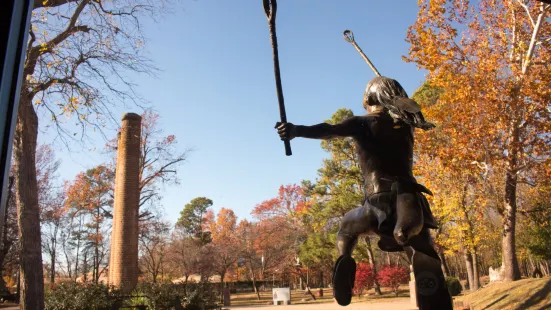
[[386, 151]]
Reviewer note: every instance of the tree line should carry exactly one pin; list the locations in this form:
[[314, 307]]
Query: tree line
[[488, 161]]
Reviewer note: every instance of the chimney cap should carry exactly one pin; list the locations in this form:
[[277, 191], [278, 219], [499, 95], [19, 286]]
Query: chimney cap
[[131, 117]]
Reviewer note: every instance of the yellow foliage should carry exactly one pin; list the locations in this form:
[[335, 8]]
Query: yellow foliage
[[492, 113], [10, 282]]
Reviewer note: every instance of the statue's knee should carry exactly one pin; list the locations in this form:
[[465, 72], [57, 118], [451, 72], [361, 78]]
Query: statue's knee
[[346, 243]]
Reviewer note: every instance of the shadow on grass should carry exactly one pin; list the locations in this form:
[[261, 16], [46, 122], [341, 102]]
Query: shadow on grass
[[496, 301], [537, 297]]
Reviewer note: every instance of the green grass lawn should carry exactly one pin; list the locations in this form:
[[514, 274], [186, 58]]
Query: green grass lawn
[[299, 297], [525, 294]]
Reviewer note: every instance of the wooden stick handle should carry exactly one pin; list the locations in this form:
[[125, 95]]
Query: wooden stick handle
[[270, 8], [349, 37]]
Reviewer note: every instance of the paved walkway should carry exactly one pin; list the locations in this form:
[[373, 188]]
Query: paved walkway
[[391, 305]]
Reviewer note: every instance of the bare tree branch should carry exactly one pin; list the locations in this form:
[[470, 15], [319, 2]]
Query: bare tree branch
[[50, 3], [525, 7], [38, 50], [528, 58]]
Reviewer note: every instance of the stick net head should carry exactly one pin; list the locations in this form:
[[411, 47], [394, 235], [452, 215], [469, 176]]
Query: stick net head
[[348, 36]]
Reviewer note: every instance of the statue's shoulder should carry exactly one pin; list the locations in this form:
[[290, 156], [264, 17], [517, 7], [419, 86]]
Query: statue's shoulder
[[374, 117]]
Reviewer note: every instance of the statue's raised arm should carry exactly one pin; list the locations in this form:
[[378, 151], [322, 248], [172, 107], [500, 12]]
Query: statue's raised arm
[[347, 128]]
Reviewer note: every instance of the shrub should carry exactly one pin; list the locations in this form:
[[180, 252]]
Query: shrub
[[78, 296], [157, 295], [365, 278], [454, 286], [163, 295], [392, 277], [166, 295]]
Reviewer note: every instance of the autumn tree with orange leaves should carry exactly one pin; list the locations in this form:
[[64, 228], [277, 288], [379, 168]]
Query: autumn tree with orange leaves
[[225, 242], [491, 58], [91, 195], [280, 230]]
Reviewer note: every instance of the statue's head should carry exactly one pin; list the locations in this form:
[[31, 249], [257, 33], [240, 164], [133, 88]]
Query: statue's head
[[391, 96], [382, 90]]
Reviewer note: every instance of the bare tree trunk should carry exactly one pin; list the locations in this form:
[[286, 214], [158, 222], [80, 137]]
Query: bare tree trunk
[[53, 253], [28, 212], [69, 269], [301, 276], [443, 262], [371, 259], [483, 267], [469, 265], [222, 275], [77, 261], [531, 260], [476, 277], [85, 267], [511, 270], [254, 284], [543, 268], [186, 277], [96, 254], [52, 256], [6, 243], [460, 267]]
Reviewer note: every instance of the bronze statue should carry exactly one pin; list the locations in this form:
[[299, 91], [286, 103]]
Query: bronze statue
[[394, 208]]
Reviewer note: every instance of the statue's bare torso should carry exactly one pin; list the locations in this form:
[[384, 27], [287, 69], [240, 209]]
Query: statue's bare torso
[[385, 147]]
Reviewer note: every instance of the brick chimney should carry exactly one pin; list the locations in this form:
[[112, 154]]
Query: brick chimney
[[123, 260]]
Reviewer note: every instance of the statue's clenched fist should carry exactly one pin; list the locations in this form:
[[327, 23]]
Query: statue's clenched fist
[[286, 131]]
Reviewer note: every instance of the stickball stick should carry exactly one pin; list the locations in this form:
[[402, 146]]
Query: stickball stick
[[270, 8]]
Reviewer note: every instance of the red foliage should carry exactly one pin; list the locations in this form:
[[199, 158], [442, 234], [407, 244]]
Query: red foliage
[[365, 278], [289, 202], [392, 277]]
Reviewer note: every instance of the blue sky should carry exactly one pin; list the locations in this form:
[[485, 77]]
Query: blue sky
[[216, 91]]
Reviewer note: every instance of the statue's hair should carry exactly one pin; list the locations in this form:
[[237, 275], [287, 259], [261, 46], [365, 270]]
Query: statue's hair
[[390, 94]]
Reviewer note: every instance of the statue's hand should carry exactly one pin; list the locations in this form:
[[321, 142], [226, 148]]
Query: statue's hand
[[286, 131]]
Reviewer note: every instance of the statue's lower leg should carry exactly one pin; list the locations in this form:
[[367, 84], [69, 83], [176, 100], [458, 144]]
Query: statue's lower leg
[[431, 290], [344, 272]]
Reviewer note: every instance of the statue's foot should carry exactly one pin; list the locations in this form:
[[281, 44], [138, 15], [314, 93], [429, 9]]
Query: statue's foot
[[432, 292], [344, 275]]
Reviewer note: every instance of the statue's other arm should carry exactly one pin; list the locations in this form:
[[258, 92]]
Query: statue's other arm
[[347, 128]]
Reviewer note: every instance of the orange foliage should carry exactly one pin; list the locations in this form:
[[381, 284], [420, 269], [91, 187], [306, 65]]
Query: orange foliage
[[491, 59]]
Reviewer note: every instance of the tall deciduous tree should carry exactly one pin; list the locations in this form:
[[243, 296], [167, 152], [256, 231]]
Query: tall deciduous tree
[[8, 254], [225, 242], [53, 218], [91, 194], [249, 252], [184, 256], [51, 202], [491, 59], [279, 230], [154, 243], [77, 54]]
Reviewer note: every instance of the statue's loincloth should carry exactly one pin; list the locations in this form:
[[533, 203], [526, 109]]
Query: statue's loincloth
[[383, 206]]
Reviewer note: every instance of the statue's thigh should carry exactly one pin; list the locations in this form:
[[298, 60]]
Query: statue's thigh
[[359, 221]]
